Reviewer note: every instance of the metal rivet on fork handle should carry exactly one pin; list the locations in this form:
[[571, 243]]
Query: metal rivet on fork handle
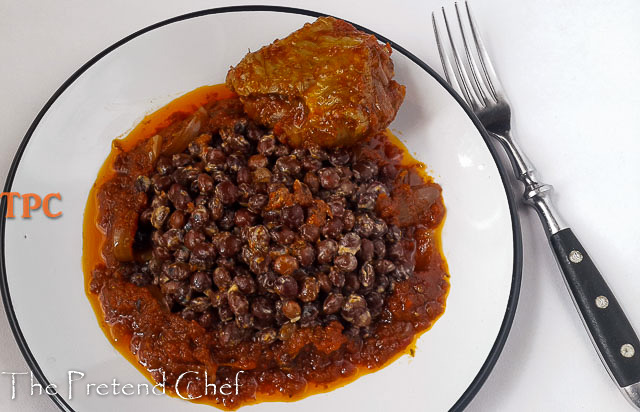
[[627, 350], [575, 256], [602, 302]]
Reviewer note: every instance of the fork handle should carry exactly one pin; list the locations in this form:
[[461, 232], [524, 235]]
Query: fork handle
[[608, 326], [610, 330]]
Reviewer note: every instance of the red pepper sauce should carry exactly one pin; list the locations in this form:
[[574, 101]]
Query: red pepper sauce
[[415, 303]]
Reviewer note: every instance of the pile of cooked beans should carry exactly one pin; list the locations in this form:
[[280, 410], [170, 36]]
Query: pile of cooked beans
[[254, 239]]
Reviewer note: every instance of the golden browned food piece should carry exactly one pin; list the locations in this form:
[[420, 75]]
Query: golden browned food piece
[[327, 83]]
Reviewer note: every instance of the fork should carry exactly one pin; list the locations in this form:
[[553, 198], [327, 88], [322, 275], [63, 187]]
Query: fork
[[475, 80]]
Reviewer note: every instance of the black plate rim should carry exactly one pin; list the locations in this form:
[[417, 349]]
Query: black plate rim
[[514, 293]]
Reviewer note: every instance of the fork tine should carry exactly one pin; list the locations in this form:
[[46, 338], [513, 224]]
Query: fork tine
[[485, 61], [449, 74], [478, 81], [463, 77]]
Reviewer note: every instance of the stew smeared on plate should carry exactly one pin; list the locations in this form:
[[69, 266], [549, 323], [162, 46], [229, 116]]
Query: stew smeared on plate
[[270, 226]]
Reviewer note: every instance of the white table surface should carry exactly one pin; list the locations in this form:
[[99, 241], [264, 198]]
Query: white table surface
[[571, 71]]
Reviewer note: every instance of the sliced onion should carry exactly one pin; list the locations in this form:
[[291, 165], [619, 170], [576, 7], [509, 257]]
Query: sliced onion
[[179, 140], [411, 202], [155, 144], [124, 231], [426, 194]]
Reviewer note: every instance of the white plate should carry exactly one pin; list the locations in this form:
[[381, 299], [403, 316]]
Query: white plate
[[42, 280]]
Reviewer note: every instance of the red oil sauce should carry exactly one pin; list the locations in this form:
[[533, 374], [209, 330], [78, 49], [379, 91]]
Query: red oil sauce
[[430, 279]]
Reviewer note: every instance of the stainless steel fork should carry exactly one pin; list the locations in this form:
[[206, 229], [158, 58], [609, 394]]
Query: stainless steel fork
[[475, 80]]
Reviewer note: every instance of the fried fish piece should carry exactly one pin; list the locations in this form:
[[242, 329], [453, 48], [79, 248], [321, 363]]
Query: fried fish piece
[[326, 83]]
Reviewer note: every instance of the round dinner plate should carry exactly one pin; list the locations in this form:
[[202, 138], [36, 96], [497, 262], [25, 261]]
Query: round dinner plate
[[42, 279]]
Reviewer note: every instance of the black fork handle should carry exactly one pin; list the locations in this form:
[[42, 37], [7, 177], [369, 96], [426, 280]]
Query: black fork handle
[[610, 330]]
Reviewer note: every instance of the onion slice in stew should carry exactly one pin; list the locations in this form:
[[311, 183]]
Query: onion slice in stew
[[124, 232], [189, 129]]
